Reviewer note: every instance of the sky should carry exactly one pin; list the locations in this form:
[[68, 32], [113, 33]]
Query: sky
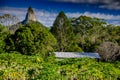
[[47, 10]]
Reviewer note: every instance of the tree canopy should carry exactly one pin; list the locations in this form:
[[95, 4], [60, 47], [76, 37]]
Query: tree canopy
[[63, 32], [34, 38], [89, 32]]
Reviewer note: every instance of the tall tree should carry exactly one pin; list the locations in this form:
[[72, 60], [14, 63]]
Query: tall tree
[[62, 31]]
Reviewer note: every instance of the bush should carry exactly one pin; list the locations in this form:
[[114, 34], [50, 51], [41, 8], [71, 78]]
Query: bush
[[74, 48], [109, 51], [24, 41]]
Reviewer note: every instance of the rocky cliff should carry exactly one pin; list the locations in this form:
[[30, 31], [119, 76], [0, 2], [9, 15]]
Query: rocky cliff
[[30, 16]]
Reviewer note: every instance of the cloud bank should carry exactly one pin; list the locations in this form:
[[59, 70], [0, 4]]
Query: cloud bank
[[108, 4], [47, 18]]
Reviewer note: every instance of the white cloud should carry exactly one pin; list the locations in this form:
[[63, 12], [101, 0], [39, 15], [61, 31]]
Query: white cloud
[[47, 18], [109, 4], [111, 19], [115, 22], [114, 5], [42, 16], [71, 15], [79, 1], [89, 1], [103, 16]]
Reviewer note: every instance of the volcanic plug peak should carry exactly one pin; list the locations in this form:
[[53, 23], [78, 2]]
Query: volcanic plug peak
[[30, 16]]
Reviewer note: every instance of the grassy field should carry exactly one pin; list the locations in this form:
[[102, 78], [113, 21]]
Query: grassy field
[[22, 67]]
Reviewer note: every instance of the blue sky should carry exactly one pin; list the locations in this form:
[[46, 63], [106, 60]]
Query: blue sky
[[47, 10]]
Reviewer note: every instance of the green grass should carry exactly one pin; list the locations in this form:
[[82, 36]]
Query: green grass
[[22, 67]]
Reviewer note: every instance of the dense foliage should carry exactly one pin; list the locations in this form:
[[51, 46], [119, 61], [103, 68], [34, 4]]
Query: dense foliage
[[15, 66], [91, 34], [63, 32], [33, 38], [3, 35]]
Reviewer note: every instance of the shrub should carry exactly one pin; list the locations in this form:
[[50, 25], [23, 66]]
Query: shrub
[[109, 51]]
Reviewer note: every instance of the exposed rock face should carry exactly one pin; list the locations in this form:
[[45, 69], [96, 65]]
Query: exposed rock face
[[30, 16]]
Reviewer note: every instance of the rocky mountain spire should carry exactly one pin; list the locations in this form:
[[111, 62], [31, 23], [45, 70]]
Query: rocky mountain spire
[[30, 15]]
